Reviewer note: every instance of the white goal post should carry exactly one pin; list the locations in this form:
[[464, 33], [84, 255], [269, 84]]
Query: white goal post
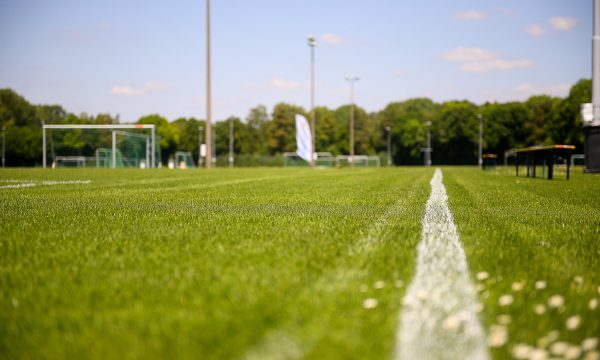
[[151, 127]]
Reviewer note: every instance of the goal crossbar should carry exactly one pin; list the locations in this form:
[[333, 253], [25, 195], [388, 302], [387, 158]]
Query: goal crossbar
[[113, 127]]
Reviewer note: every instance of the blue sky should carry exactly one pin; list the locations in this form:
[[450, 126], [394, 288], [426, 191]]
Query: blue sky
[[136, 57]]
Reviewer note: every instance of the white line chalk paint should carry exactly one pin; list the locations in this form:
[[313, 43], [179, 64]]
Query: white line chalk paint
[[439, 317], [15, 184]]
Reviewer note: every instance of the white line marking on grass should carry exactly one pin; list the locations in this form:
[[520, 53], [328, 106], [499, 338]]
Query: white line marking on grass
[[439, 318], [15, 184]]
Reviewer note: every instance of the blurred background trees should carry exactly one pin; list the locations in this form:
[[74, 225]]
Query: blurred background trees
[[262, 135]]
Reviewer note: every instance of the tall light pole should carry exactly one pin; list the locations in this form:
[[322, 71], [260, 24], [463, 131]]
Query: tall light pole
[[209, 152], [480, 162], [230, 143], [389, 145], [592, 129], [311, 44], [352, 80]]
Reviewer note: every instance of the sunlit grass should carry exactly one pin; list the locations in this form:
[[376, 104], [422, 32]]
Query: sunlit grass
[[534, 247], [207, 264]]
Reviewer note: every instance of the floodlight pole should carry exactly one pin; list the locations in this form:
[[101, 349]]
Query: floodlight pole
[[592, 130], [311, 44], [230, 143], [351, 80], [208, 92], [480, 140], [389, 145]]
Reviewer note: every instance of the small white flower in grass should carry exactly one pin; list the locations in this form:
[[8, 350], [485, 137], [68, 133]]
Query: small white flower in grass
[[573, 352], [379, 284], [398, 283], [482, 275], [505, 300], [539, 309], [452, 322], [517, 286], [498, 336], [578, 280], [589, 344], [559, 348], [573, 322], [556, 301], [504, 319], [592, 355], [364, 288], [538, 354], [370, 303], [14, 302], [521, 351], [593, 304], [422, 295], [540, 284]]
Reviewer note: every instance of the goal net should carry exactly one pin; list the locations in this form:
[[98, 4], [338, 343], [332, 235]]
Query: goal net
[[103, 146]]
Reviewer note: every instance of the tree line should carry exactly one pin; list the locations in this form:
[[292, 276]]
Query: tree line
[[261, 137]]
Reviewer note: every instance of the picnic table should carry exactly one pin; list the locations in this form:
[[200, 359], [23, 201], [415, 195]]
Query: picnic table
[[547, 155]]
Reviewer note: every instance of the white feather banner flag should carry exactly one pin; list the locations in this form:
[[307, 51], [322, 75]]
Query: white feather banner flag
[[303, 138]]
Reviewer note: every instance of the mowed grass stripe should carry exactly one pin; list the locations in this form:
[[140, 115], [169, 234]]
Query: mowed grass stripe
[[323, 323], [533, 239], [100, 271]]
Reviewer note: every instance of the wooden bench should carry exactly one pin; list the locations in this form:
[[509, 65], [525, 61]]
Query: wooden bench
[[547, 154]]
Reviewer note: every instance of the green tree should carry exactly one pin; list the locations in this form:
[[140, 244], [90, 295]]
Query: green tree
[[281, 130]]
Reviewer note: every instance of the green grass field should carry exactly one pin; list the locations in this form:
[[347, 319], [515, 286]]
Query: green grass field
[[277, 263]]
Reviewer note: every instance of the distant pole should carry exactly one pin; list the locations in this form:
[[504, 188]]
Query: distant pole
[[3, 146], [389, 145], [114, 149], [200, 130], [480, 140], [592, 130], [153, 135], [428, 149], [352, 80], [230, 143], [44, 146], [208, 94], [311, 44]]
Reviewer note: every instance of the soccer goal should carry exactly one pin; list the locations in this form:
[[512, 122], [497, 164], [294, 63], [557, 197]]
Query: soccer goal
[[83, 145], [358, 161]]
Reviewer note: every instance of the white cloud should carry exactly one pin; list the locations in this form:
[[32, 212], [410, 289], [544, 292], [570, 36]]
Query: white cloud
[[126, 91], [281, 83], [535, 30], [562, 23], [149, 87], [468, 54], [471, 15], [552, 90], [496, 64], [332, 39], [480, 61]]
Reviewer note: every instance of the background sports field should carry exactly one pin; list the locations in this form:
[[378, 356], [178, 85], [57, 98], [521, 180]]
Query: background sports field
[[255, 263]]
